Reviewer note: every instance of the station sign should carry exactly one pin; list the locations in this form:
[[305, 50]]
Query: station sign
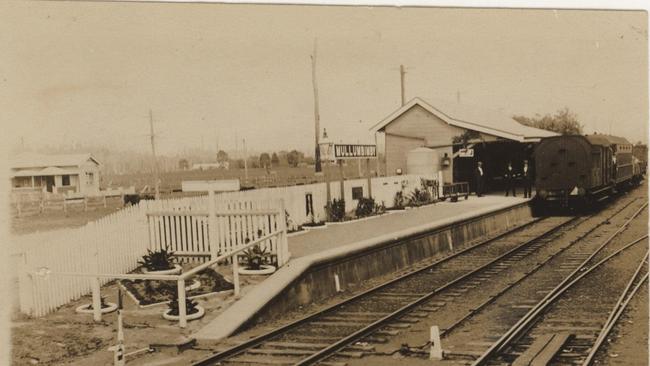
[[466, 153], [354, 151]]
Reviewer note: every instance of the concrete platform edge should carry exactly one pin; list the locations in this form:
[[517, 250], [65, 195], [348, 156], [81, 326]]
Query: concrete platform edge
[[240, 312]]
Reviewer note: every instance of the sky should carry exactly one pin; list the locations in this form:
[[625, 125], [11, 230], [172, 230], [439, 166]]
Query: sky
[[215, 74]]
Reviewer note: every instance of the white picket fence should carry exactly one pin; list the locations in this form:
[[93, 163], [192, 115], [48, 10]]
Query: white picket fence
[[185, 231], [115, 243]]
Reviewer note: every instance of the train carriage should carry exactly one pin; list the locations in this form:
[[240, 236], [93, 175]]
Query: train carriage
[[575, 169]]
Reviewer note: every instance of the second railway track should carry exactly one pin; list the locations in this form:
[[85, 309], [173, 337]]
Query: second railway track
[[331, 336]]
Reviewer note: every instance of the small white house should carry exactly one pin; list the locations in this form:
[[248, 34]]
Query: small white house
[[76, 173]]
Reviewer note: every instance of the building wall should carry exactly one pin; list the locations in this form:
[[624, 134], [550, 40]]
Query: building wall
[[414, 128], [397, 148], [85, 186]]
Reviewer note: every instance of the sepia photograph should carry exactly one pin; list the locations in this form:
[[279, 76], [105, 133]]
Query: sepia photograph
[[209, 183]]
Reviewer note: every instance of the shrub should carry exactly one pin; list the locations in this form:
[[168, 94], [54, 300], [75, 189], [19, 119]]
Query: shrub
[[158, 260], [255, 256], [365, 207], [336, 210], [419, 197], [399, 201], [190, 306]]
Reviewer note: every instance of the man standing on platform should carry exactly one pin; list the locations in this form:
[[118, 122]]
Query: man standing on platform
[[509, 178], [480, 179], [527, 177]]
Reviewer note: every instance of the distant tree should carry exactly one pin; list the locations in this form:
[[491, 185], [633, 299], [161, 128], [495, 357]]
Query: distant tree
[[275, 161], [239, 163], [253, 161], [293, 158], [563, 122], [222, 156], [183, 164], [265, 160], [283, 157]]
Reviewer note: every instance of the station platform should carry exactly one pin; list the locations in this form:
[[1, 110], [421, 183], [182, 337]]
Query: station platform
[[341, 234], [321, 247]]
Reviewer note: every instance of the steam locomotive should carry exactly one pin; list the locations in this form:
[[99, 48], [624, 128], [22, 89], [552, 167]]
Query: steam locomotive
[[577, 171]]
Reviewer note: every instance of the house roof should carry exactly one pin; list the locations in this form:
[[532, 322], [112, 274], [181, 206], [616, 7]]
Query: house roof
[[472, 118], [30, 160], [43, 172]]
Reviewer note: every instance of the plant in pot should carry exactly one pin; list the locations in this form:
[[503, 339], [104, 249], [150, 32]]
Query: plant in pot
[[336, 210], [313, 221], [399, 201], [192, 309], [106, 307], [160, 261], [255, 258]]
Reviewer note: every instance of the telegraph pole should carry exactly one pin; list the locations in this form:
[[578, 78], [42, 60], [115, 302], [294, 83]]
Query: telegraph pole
[[316, 113], [153, 151], [245, 163], [402, 73]]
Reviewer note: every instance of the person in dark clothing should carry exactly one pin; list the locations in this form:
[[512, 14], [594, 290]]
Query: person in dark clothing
[[509, 179], [479, 175], [527, 177]]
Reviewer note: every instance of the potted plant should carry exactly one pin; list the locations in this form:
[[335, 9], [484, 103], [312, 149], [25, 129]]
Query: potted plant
[[255, 258], [399, 201], [160, 262], [336, 210], [192, 309], [106, 307], [313, 221]]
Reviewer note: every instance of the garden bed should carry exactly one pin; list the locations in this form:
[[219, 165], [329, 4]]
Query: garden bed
[[154, 292]]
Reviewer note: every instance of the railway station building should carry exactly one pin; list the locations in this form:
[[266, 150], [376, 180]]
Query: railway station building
[[451, 138]]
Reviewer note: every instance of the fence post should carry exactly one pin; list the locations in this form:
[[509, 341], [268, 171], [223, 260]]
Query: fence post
[[283, 245], [182, 310], [212, 225], [25, 287], [97, 300], [104, 201], [235, 273], [369, 178]]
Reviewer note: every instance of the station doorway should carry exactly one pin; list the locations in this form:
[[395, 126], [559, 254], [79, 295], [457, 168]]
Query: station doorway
[[495, 156]]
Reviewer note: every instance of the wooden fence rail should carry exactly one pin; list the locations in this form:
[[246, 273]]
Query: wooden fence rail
[[115, 243]]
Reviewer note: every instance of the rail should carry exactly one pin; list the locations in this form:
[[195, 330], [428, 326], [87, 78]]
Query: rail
[[180, 278], [569, 281]]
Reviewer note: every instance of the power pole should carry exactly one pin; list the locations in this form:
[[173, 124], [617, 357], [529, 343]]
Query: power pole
[[155, 160], [318, 167], [402, 73], [245, 163]]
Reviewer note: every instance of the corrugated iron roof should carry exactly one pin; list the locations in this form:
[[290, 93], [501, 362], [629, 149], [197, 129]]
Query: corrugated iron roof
[[473, 118], [31, 160]]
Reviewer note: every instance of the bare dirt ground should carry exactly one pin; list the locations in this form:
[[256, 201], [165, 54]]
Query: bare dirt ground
[[68, 338], [627, 344], [53, 220]]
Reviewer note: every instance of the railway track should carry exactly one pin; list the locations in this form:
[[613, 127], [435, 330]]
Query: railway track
[[331, 337], [570, 323], [328, 331]]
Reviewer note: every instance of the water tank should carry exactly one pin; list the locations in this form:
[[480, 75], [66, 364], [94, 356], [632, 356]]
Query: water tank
[[422, 161]]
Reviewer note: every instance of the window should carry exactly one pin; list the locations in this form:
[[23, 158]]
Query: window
[[65, 180], [89, 178], [357, 193]]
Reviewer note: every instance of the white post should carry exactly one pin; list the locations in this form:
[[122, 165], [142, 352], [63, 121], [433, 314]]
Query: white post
[[97, 300], [182, 310], [436, 347], [337, 283], [440, 184], [282, 240], [212, 226], [235, 274]]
